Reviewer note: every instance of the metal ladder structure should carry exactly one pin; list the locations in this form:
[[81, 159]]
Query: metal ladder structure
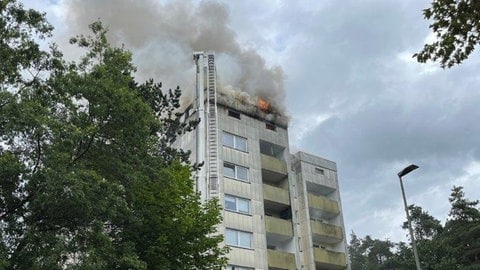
[[212, 127]]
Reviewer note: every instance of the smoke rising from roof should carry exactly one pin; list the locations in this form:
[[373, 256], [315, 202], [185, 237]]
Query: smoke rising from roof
[[163, 37]]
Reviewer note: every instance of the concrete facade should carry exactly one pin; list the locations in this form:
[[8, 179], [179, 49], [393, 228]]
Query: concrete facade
[[280, 211]]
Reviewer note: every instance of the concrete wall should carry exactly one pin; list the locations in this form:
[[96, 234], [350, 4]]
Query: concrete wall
[[301, 178], [253, 130], [317, 178]]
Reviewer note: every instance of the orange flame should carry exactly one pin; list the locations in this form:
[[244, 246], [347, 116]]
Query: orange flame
[[263, 105]]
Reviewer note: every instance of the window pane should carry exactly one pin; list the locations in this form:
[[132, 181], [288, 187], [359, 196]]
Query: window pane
[[244, 239], [242, 173], [228, 139], [234, 114], [229, 170], [230, 203], [231, 237], [243, 206], [241, 143]]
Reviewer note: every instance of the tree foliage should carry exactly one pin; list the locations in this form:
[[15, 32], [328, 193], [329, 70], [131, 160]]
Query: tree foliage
[[456, 25], [369, 253], [89, 177], [424, 225], [453, 246], [18, 50], [462, 229]]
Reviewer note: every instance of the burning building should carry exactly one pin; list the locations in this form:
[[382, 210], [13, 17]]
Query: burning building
[[280, 211]]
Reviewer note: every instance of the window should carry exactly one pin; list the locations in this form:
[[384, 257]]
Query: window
[[234, 114], [235, 172], [238, 238], [319, 171], [237, 204], [234, 141], [271, 149], [235, 267], [270, 126]]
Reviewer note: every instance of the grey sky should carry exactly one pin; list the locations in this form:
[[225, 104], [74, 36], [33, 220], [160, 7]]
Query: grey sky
[[350, 86]]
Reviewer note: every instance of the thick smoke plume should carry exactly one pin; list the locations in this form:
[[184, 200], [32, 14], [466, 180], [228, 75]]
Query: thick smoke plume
[[163, 37]]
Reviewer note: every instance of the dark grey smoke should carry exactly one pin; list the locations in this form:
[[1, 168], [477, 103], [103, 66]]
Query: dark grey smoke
[[163, 36]]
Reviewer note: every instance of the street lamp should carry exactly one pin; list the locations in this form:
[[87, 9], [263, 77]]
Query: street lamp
[[404, 172]]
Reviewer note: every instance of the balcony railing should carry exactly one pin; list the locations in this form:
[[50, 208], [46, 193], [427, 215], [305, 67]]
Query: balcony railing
[[273, 164], [281, 260], [276, 194], [278, 226], [327, 259], [326, 232], [328, 207]]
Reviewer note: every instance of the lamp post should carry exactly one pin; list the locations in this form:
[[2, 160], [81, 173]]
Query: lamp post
[[414, 245]]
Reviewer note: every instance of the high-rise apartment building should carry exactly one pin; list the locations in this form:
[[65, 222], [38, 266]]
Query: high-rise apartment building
[[280, 211]]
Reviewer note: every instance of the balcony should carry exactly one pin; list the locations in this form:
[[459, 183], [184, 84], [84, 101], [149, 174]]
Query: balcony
[[276, 195], [280, 260], [326, 233], [273, 170], [322, 207], [331, 260], [320, 187], [278, 226]]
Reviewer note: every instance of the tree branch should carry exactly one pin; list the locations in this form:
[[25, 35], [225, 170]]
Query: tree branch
[[39, 154], [86, 149]]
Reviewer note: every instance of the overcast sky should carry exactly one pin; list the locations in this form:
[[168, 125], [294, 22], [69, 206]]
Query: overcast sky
[[344, 72]]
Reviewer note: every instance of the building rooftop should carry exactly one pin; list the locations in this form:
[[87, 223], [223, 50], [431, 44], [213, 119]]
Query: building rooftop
[[252, 106]]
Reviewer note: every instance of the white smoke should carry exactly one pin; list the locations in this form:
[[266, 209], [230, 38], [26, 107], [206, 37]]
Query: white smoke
[[163, 36]]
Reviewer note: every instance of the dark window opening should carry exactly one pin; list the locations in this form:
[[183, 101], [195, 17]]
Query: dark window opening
[[319, 171], [234, 114], [270, 126]]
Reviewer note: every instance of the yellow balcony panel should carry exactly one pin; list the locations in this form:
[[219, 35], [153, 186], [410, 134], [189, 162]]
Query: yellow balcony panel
[[326, 259], [322, 207], [276, 194], [326, 233], [278, 226], [273, 164], [280, 260]]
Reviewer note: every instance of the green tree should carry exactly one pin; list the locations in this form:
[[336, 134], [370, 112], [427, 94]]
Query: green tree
[[456, 25], [424, 225], [369, 253], [89, 177], [433, 252], [453, 246], [356, 253], [403, 258], [378, 253], [462, 229], [18, 50]]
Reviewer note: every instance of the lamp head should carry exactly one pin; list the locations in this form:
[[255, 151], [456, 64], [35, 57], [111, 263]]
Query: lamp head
[[407, 170]]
